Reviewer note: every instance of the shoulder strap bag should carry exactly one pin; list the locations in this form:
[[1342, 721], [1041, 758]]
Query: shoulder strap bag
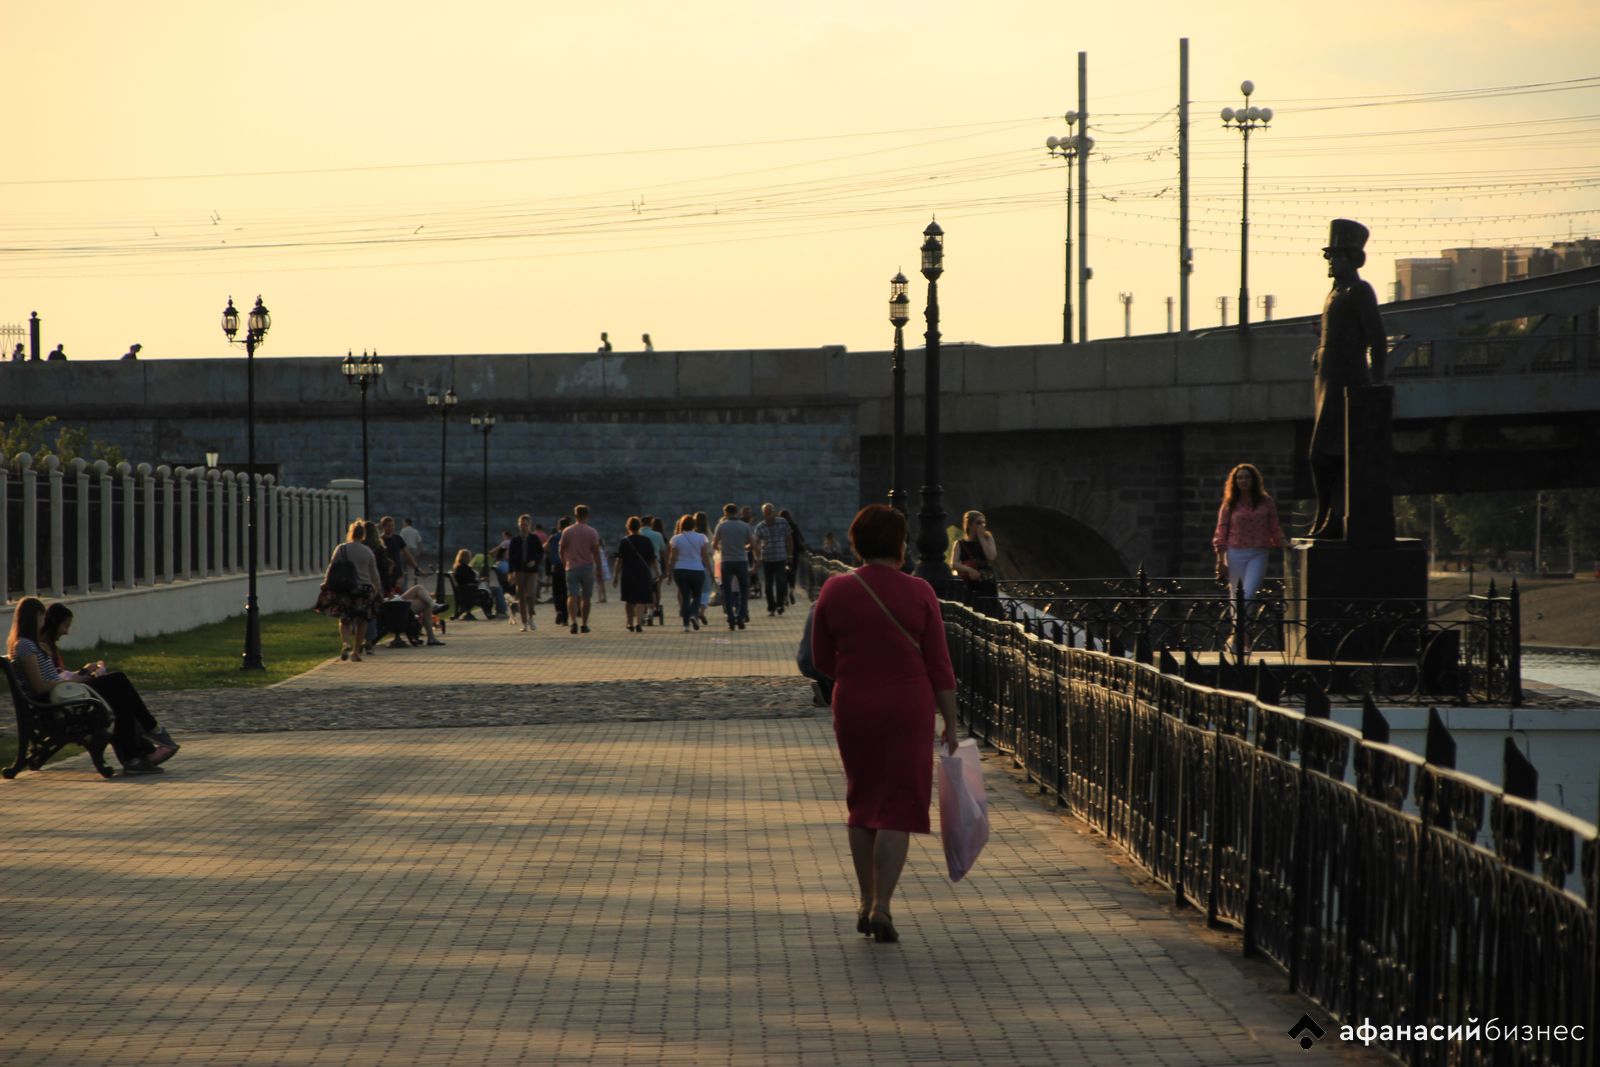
[[879, 601], [342, 576]]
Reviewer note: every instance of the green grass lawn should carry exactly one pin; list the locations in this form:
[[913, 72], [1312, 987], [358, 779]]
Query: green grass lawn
[[207, 657]]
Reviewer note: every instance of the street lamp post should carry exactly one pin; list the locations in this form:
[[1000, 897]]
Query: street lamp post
[[484, 424], [899, 315], [1246, 120], [444, 404], [931, 536], [257, 324], [363, 372], [1068, 148], [1127, 313]]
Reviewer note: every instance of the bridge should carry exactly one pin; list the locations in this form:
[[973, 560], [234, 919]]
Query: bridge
[[1117, 447]]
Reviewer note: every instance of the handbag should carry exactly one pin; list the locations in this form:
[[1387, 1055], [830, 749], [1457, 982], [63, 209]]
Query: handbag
[[76, 693], [342, 575], [963, 808]]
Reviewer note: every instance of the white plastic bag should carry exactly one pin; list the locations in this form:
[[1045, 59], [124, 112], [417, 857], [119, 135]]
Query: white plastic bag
[[963, 808]]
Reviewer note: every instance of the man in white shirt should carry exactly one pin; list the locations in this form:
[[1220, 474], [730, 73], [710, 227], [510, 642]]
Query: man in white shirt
[[413, 538]]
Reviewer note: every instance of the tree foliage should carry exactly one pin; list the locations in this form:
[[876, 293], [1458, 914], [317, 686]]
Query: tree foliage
[[68, 443]]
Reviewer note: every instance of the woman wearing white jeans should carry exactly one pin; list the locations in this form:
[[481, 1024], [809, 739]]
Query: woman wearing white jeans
[[1247, 527]]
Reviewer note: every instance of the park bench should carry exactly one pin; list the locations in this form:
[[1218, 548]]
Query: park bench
[[468, 599], [43, 728]]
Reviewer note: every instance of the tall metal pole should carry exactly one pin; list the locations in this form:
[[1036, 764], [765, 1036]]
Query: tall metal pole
[[931, 537], [899, 315], [444, 444], [366, 480], [252, 606], [897, 445], [1066, 306], [487, 427], [1185, 256], [1083, 202], [1244, 240]]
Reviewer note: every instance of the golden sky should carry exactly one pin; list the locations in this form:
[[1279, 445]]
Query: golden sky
[[517, 177]]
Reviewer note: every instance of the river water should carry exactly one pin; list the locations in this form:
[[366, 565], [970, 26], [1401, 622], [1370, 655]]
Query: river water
[[1575, 669]]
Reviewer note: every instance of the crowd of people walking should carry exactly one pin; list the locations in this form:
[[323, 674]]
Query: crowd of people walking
[[373, 581]]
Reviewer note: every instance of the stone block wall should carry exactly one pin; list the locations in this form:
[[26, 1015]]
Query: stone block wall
[[618, 462]]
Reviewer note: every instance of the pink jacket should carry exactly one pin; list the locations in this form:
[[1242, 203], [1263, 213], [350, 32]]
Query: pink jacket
[[1248, 527]]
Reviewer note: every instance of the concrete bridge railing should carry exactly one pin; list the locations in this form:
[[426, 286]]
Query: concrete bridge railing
[[148, 550]]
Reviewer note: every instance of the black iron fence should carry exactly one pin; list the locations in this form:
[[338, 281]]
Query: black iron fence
[[1462, 650], [1392, 889], [1389, 887]]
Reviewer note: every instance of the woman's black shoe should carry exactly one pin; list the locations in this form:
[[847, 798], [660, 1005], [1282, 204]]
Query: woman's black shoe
[[882, 926], [864, 921]]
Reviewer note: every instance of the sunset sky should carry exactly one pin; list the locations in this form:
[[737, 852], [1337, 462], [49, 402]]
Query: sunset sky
[[516, 177]]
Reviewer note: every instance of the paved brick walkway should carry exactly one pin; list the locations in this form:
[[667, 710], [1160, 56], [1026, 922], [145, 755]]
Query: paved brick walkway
[[575, 892]]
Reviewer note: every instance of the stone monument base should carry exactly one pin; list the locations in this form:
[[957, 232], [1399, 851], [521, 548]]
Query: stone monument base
[[1356, 600]]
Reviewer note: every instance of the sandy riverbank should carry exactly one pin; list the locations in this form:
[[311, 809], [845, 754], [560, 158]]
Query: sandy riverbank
[[1560, 612]]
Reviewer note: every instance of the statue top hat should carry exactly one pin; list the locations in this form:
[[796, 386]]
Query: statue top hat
[[1348, 234]]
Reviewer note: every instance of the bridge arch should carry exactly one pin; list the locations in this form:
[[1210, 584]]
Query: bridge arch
[[1041, 542]]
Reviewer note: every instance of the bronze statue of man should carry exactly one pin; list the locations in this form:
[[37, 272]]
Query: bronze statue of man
[[1352, 340]]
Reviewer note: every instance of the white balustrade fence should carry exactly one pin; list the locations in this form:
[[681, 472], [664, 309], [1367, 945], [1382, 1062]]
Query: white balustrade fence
[[142, 550]]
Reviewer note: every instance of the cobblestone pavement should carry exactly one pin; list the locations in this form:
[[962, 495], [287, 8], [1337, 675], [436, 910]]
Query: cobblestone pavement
[[594, 889]]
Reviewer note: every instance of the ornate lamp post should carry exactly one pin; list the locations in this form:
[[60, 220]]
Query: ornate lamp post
[[1069, 148], [484, 424], [363, 372], [899, 315], [257, 324], [444, 404], [1246, 120], [931, 538]]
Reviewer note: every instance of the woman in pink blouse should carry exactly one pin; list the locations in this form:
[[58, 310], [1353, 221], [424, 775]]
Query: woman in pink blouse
[[1247, 527]]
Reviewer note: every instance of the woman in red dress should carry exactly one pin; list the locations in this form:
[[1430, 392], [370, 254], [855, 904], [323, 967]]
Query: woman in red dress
[[878, 634]]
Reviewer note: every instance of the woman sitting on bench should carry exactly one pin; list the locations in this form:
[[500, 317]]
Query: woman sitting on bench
[[140, 744], [469, 594]]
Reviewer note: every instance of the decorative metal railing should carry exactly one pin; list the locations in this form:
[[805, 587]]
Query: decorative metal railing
[[1462, 650], [1389, 887]]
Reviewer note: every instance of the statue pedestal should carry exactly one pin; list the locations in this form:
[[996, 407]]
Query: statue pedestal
[[1356, 600]]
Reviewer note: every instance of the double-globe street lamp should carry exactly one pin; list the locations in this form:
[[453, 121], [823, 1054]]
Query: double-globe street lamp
[[256, 326], [363, 372], [1246, 120], [899, 315], [484, 424], [444, 403], [931, 537], [1070, 148]]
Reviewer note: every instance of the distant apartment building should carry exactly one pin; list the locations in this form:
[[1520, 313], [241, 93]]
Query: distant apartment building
[[1468, 268]]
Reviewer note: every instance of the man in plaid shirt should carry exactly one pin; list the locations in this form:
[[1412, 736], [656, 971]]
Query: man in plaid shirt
[[774, 548]]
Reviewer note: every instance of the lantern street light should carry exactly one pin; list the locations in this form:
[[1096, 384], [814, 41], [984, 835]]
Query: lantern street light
[[1070, 148], [363, 372], [444, 404], [1246, 120], [257, 324], [899, 315], [931, 537], [484, 424]]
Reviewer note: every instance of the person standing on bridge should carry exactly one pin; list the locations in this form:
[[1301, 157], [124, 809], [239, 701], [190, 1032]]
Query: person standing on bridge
[[1247, 528], [879, 634]]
